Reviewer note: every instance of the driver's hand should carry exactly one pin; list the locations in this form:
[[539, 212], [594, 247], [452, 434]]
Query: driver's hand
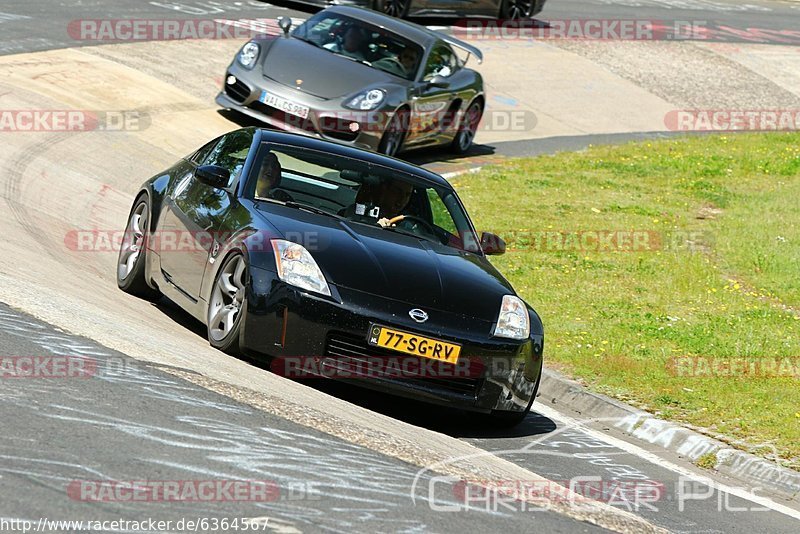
[[384, 222]]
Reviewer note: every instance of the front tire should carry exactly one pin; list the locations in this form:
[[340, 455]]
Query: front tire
[[395, 133], [512, 419], [228, 304], [133, 252], [465, 136]]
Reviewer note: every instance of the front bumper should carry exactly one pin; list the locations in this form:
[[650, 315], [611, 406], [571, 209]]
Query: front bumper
[[327, 119], [329, 334]]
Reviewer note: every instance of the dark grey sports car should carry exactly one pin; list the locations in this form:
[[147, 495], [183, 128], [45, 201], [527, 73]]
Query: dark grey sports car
[[360, 78]]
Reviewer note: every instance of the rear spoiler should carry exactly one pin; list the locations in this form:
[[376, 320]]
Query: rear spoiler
[[468, 48]]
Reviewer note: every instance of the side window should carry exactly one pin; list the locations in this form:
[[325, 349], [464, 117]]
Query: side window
[[230, 152], [440, 213], [442, 61], [202, 153]]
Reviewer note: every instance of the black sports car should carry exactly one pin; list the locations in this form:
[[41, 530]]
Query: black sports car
[[336, 262], [360, 78]]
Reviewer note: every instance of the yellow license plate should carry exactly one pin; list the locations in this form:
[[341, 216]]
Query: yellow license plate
[[408, 343]]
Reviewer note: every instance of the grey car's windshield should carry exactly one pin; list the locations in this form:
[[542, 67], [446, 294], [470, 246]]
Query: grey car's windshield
[[356, 40], [362, 193]]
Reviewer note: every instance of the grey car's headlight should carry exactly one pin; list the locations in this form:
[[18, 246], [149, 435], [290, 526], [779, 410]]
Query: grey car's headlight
[[513, 321], [366, 100], [248, 55], [297, 267]]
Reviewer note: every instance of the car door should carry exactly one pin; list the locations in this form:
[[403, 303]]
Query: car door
[[195, 212], [430, 103]]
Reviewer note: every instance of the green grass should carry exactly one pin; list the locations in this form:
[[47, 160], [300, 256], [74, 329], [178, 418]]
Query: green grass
[[618, 319]]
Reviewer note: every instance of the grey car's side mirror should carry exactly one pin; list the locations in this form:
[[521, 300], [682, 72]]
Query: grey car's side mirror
[[492, 244], [213, 175], [285, 23], [439, 82]]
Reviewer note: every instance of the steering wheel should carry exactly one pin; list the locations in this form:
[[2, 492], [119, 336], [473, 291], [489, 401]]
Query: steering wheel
[[392, 63], [413, 218]]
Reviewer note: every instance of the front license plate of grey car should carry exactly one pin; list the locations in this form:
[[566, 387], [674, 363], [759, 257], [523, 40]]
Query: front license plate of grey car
[[284, 105]]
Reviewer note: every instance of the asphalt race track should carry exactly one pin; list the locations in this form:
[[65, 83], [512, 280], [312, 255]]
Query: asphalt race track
[[162, 405]]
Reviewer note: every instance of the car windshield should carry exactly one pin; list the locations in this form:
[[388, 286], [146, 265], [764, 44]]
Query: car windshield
[[362, 42], [362, 193]]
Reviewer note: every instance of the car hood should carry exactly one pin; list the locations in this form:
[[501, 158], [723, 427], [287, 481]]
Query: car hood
[[323, 73], [396, 266]]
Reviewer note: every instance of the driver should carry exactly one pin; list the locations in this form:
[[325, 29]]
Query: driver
[[395, 195], [408, 59], [269, 178]]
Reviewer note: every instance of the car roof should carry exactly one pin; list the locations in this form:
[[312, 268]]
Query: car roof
[[409, 30], [304, 141]]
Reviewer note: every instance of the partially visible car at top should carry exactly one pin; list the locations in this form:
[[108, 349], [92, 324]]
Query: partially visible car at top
[[502, 9], [338, 262], [361, 78]]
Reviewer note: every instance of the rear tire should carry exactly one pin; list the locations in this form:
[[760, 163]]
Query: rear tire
[[393, 8], [133, 252], [516, 9]]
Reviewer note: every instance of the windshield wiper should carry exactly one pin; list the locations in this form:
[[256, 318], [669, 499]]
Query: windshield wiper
[[312, 209], [411, 234], [309, 41], [362, 61]]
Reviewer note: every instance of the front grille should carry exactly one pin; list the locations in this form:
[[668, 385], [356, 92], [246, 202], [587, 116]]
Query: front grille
[[339, 128], [352, 355], [344, 134], [237, 91]]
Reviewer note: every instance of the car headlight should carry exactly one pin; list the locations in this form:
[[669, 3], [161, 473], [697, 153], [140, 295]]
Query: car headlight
[[366, 100], [513, 321], [248, 55], [297, 267]]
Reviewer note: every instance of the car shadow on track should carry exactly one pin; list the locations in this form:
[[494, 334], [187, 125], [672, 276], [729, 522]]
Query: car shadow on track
[[450, 421], [421, 157]]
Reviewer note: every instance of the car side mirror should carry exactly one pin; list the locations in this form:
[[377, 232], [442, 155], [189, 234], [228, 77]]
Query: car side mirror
[[439, 81], [285, 23], [492, 244], [213, 175]]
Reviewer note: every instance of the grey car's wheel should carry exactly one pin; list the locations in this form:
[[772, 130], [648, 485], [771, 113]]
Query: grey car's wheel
[[516, 9], [463, 140], [133, 251], [227, 304], [394, 134], [393, 8]]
